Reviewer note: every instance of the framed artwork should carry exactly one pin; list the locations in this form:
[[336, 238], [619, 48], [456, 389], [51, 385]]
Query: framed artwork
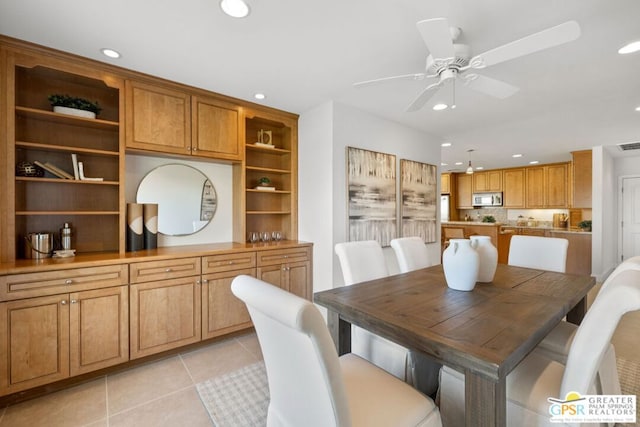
[[371, 181], [418, 186]]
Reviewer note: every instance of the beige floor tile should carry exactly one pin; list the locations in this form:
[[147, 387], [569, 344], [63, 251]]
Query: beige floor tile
[[217, 359], [251, 343], [144, 383], [99, 423], [73, 407], [179, 409]]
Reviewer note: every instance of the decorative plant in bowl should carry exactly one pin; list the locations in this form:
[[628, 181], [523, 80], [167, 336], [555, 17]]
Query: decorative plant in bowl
[[66, 104], [585, 225]]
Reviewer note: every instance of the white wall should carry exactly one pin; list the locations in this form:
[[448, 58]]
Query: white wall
[[336, 126], [220, 229]]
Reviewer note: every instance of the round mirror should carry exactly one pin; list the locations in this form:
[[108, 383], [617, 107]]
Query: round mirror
[[186, 198]]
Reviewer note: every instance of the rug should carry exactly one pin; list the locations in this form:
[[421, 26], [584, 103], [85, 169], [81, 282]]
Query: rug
[[237, 399], [629, 373]]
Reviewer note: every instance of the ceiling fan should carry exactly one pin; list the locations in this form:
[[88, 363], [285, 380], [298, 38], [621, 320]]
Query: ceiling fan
[[450, 61]]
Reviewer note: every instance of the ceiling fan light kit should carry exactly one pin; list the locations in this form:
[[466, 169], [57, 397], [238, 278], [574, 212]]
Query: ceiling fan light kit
[[449, 61]]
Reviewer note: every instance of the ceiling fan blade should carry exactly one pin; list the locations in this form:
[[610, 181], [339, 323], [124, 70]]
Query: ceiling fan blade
[[415, 76], [489, 86], [545, 39], [423, 97], [437, 36]]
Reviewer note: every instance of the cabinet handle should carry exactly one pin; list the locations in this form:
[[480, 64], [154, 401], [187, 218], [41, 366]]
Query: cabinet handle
[[167, 270], [205, 281], [73, 301], [68, 282], [63, 302], [285, 256], [194, 149], [230, 262]]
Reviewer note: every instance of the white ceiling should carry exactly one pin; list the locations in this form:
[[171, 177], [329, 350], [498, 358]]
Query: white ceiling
[[304, 53]]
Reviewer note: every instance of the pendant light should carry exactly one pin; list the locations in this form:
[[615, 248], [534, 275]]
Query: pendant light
[[470, 168]]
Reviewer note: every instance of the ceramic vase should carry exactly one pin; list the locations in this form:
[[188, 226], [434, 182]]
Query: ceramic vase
[[135, 239], [488, 256], [460, 263], [150, 216]]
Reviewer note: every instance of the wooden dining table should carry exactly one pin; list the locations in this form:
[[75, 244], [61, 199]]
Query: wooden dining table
[[484, 333]]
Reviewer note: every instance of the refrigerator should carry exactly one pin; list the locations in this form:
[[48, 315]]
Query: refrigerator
[[444, 208]]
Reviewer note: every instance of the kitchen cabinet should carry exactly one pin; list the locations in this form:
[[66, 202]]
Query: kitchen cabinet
[[581, 179], [289, 269], [222, 312], [464, 191], [546, 186], [514, 188], [165, 299], [49, 338], [487, 181], [216, 128], [445, 183]]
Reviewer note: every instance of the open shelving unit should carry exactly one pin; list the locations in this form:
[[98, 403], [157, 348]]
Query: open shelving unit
[[35, 133]]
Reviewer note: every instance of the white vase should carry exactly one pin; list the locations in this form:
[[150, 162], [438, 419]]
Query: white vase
[[488, 255], [74, 112], [460, 263]]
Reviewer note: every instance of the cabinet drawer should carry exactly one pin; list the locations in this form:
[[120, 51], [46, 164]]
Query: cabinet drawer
[[228, 262], [280, 256], [28, 285], [160, 270]]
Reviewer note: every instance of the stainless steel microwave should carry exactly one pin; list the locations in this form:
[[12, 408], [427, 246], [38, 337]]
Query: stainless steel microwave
[[487, 199]]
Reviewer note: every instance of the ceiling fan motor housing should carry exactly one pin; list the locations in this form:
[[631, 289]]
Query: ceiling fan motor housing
[[461, 59]]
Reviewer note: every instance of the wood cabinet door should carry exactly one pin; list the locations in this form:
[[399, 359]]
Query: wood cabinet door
[[34, 339], [535, 181], [158, 118], [216, 129], [298, 276], [99, 329], [222, 312], [464, 191], [494, 180], [164, 315], [582, 176], [557, 189], [445, 180], [272, 274], [514, 189]]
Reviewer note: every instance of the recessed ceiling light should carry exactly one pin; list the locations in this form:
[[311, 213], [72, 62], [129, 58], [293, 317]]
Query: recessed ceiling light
[[235, 8], [479, 168], [534, 162], [516, 155], [638, 108], [439, 107], [110, 53], [445, 144], [259, 96], [629, 48], [444, 164], [458, 163]]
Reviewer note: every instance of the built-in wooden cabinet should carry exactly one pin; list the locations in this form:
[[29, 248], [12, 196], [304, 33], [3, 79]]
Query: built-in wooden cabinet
[[581, 180], [158, 118], [546, 186], [271, 209], [51, 337], [35, 133], [487, 181], [216, 128], [514, 188], [464, 191], [289, 269]]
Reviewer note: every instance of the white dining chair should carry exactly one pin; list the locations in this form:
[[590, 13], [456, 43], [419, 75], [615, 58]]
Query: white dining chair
[[411, 253], [538, 377], [309, 385], [543, 253], [362, 261]]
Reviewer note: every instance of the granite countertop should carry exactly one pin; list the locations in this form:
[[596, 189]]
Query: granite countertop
[[499, 224], [471, 223]]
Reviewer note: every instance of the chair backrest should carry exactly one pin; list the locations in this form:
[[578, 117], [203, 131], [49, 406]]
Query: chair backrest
[[299, 357], [411, 253], [632, 263], [361, 261], [544, 253], [594, 333]]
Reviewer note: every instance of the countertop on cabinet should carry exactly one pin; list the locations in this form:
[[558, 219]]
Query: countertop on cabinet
[[550, 229], [492, 224]]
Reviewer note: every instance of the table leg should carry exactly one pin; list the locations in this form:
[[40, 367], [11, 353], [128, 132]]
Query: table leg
[[576, 314], [340, 331], [485, 401]]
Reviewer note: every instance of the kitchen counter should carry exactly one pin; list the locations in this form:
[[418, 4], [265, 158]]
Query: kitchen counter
[[472, 223], [543, 228]]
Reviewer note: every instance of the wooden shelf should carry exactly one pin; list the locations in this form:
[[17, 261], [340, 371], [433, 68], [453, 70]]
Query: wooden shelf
[[268, 212], [50, 116], [252, 190], [66, 149], [91, 213], [252, 147], [268, 170], [65, 181]]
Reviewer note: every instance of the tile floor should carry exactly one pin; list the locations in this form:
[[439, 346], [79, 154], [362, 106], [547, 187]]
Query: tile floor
[[163, 393]]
